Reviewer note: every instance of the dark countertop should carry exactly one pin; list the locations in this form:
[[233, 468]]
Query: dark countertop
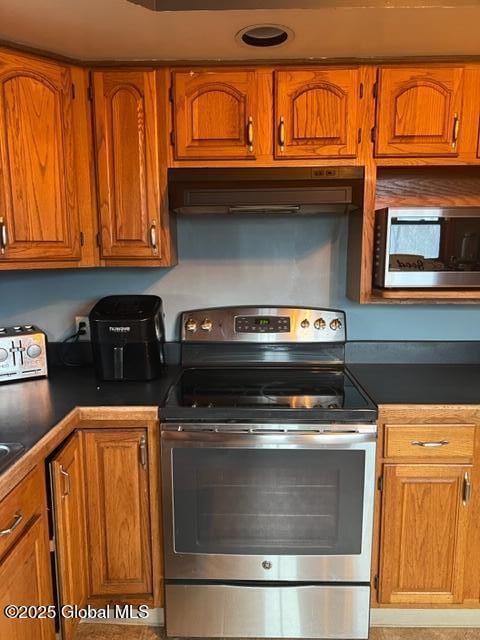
[[419, 383], [29, 409]]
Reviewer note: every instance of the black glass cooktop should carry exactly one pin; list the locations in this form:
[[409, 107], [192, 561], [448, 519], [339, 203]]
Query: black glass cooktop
[[249, 393]]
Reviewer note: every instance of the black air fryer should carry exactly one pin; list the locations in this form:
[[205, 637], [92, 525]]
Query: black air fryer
[[127, 337]]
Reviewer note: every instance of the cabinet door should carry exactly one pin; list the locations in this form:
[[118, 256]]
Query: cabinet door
[[25, 579], [425, 513], [70, 529], [419, 111], [316, 113], [118, 512], [127, 152], [216, 114], [38, 203]]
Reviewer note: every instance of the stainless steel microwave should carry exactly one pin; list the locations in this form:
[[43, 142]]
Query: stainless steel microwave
[[427, 248]]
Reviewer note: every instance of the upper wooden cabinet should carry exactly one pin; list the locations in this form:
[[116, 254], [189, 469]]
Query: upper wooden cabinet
[[131, 175], [216, 114], [424, 533], [39, 218], [419, 111], [316, 113]]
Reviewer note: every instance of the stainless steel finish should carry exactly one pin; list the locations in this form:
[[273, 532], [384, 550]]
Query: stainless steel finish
[[223, 325], [467, 489], [456, 130], [26, 356], [3, 235], [66, 481], [143, 452], [9, 451], [153, 235], [385, 278], [430, 444], [261, 208], [250, 133], [284, 567], [17, 518], [228, 611]]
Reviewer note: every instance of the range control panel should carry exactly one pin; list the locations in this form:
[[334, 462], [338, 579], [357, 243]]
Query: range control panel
[[263, 324], [22, 353]]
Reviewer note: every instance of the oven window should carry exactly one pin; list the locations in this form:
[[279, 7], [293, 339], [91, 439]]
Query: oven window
[[283, 502]]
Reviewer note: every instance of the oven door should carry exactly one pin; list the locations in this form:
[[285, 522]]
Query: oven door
[[267, 505]]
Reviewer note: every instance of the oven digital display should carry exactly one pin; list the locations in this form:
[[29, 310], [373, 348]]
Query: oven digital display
[[262, 324]]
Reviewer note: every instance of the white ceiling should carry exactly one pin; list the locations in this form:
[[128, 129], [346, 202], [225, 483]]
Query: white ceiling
[[117, 29]]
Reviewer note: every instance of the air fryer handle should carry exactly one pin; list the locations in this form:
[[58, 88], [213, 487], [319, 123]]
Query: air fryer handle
[[118, 363]]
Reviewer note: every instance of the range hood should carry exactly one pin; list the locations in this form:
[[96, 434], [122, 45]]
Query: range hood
[[257, 190]]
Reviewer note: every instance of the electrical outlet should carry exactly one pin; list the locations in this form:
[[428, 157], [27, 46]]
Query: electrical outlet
[[86, 336]]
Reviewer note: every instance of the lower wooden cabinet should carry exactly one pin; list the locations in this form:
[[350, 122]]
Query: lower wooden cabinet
[[25, 571], [424, 532]]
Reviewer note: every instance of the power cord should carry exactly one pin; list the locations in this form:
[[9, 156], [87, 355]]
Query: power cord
[[70, 342]]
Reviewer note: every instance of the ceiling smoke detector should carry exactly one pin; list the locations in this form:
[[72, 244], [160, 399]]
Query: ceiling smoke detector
[[264, 35]]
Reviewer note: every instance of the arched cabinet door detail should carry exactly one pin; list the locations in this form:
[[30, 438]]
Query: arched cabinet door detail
[[317, 113], [126, 139], [215, 114], [39, 218], [419, 111]]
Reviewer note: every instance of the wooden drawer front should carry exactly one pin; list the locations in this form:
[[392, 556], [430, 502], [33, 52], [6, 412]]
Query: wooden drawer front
[[19, 506], [429, 441]]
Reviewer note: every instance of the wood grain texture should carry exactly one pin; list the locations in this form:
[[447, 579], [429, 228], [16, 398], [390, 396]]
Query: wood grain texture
[[320, 111], [128, 176], [416, 111], [212, 108], [118, 506], [38, 188], [424, 527], [458, 441], [68, 497], [25, 572]]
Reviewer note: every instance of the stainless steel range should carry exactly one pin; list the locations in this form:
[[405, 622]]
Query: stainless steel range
[[268, 457]]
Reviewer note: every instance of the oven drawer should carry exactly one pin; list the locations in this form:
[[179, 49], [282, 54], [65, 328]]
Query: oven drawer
[[228, 611], [429, 441]]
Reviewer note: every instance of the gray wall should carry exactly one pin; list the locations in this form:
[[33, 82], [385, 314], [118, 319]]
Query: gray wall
[[297, 261]]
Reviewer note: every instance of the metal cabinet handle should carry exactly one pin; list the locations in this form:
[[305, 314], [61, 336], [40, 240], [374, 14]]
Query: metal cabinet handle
[[3, 235], [66, 481], [250, 133], [456, 129], [143, 451], [17, 518], [467, 489], [430, 444], [281, 134], [153, 235]]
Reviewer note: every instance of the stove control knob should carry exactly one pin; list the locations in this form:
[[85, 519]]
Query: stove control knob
[[207, 325], [305, 324], [191, 325], [34, 350], [335, 324], [3, 355], [320, 323]]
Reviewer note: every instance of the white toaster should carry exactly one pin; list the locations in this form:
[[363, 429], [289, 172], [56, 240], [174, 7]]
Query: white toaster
[[23, 353]]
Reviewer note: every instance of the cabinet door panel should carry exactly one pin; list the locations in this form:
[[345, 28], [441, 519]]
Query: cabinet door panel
[[216, 114], [423, 534], [70, 529], [118, 513], [316, 113], [419, 111], [38, 200], [25, 579], [127, 163]]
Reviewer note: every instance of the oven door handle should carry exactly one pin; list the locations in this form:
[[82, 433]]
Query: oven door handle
[[264, 439]]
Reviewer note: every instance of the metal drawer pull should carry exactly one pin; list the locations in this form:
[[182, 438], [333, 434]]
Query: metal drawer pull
[[431, 444], [467, 489], [250, 133], [281, 134], [18, 517], [66, 481], [456, 129], [153, 235], [143, 451], [3, 236]]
